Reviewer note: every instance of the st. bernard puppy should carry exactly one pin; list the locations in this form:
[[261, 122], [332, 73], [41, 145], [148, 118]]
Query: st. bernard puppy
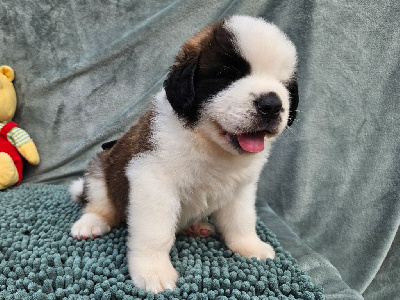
[[198, 151]]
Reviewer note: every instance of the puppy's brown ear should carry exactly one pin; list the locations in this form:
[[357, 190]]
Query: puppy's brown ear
[[179, 86], [294, 99]]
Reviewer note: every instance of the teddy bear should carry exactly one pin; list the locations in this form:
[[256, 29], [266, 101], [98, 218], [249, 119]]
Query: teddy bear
[[13, 140]]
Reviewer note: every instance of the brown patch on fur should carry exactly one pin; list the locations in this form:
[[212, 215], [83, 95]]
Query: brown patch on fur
[[96, 202], [105, 209], [115, 160], [194, 45]]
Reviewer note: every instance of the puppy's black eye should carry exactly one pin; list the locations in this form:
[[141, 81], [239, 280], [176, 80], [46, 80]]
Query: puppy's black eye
[[230, 72]]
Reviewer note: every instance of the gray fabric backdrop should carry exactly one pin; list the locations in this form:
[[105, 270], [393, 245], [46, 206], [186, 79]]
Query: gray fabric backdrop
[[85, 70]]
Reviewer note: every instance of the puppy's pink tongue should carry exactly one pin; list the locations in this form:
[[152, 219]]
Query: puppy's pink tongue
[[252, 142]]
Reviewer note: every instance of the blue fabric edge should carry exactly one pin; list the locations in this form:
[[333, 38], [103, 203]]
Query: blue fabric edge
[[321, 271]]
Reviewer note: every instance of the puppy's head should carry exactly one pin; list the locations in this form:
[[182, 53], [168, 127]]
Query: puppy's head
[[236, 80]]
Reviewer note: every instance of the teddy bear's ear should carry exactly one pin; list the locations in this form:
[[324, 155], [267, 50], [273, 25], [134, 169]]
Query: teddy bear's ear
[[8, 72]]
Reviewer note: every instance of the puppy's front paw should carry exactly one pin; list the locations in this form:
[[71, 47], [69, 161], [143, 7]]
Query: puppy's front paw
[[152, 275], [252, 247], [89, 226]]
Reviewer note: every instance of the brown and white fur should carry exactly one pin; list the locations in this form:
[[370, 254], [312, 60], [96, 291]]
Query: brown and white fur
[[197, 151]]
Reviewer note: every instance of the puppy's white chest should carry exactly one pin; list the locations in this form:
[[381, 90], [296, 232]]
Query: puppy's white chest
[[198, 203], [206, 190]]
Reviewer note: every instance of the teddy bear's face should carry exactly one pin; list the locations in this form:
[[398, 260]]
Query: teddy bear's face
[[8, 98]]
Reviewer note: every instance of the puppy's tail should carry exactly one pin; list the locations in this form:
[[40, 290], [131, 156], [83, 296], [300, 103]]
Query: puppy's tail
[[76, 189]]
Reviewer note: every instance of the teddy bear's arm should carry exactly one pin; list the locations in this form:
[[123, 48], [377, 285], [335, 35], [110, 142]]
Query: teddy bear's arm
[[29, 152], [24, 144]]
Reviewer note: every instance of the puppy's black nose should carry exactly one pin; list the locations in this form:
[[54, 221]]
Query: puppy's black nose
[[269, 105]]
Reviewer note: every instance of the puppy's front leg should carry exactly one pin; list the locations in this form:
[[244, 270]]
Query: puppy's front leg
[[237, 223], [153, 214]]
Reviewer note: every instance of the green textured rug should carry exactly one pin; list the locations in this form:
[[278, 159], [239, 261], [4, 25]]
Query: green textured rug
[[40, 260]]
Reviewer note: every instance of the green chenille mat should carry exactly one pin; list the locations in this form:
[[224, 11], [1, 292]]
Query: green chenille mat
[[40, 260]]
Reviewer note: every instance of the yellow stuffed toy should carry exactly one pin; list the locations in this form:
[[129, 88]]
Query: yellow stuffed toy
[[13, 140]]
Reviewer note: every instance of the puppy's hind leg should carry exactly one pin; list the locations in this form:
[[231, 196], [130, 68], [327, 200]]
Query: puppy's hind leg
[[99, 214], [202, 229]]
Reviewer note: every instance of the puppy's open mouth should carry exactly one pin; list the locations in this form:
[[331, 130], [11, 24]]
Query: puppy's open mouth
[[249, 142], [252, 141]]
